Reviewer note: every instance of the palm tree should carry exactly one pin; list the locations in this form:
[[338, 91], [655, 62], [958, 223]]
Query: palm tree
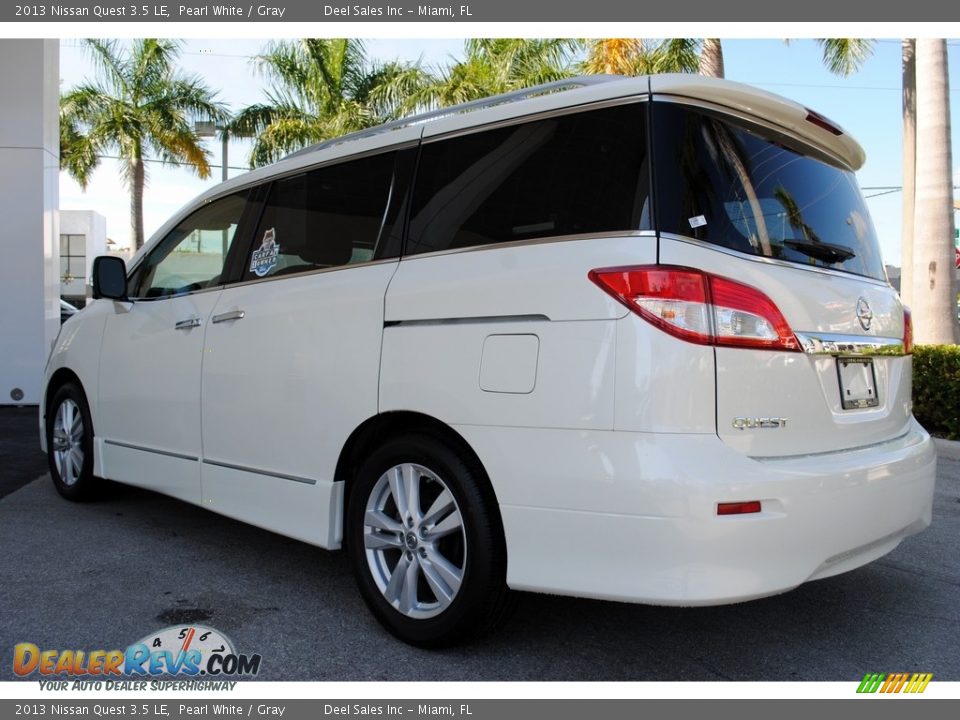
[[908, 55], [635, 56], [138, 106], [490, 66], [934, 303], [711, 58], [322, 88]]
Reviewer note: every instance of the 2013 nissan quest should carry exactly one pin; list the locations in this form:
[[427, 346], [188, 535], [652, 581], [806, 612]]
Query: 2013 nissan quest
[[614, 338]]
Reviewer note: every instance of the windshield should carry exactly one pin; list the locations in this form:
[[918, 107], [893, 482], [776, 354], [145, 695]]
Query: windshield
[[748, 189]]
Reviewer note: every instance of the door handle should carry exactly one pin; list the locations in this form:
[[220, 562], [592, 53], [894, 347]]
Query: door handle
[[232, 315], [187, 324]]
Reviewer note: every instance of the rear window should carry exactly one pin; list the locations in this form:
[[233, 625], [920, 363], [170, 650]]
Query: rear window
[[751, 190]]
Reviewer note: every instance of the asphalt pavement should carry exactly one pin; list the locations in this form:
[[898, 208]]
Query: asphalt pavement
[[20, 458], [103, 575]]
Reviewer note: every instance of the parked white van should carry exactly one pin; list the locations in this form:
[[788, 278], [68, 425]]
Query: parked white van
[[620, 338]]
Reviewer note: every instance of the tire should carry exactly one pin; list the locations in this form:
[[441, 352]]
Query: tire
[[70, 444], [433, 575]]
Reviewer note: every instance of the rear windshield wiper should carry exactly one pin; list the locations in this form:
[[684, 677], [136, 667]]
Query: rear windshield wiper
[[821, 250]]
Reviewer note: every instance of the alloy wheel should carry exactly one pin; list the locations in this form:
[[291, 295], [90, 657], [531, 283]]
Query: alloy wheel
[[68, 441], [417, 556]]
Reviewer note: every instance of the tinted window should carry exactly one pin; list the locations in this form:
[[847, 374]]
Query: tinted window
[[191, 256], [566, 175], [325, 218], [750, 190]]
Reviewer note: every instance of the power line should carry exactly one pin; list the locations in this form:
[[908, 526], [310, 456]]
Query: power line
[[831, 87], [891, 187], [175, 163], [897, 42], [885, 192], [223, 55]]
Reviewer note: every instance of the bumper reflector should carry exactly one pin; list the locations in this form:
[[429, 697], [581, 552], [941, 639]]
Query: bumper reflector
[[738, 508]]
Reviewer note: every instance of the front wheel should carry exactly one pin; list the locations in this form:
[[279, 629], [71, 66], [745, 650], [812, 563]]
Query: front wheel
[[70, 444], [426, 543]]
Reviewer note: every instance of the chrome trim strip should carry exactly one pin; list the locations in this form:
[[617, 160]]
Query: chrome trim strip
[[467, 320], [269, 473], [859, 345], [773, 261], [155, 451], [534, 241]]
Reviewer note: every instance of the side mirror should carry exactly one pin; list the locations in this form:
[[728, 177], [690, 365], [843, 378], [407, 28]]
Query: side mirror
[[109, 278]]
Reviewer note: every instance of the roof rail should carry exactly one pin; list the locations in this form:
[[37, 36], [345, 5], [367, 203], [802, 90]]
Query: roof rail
[[488, 102]]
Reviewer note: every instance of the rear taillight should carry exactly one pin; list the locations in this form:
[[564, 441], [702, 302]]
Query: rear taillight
[[907, 331], [699, 307]]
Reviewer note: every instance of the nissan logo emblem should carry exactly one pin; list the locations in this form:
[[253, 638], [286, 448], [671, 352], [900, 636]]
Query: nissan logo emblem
[[864, 313]]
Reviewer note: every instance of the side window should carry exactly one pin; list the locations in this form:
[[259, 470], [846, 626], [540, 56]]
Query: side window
[[191, 257], [568, 175], [325, 218]]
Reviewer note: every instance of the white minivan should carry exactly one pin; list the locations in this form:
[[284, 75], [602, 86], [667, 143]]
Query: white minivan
[[619, 338]]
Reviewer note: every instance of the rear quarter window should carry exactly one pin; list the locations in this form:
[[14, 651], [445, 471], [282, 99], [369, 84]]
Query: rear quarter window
[[568, 175]]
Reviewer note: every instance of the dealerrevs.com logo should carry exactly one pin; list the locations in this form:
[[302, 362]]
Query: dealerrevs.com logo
[[888, 683], [193, 651]]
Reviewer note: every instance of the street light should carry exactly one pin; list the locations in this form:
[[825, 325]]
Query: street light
[[206, 128]]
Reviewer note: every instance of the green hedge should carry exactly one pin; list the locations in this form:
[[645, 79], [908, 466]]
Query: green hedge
[[936, 389]]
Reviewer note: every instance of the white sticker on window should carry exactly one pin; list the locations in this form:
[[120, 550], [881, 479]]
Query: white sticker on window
[[264, 258], [697, 221]]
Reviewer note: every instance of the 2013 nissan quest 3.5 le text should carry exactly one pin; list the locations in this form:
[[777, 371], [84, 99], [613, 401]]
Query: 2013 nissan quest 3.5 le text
[[614, 338]]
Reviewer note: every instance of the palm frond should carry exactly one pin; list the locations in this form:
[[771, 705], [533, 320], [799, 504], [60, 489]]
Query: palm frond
[[845, 56], [111, 65], [676, 55], [284, 136], [613, 56]]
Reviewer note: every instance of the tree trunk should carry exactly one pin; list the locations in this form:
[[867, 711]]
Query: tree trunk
[[909, 63], [136, 201], [711, 58], [934, 298]]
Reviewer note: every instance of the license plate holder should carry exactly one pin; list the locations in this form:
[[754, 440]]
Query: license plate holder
[[858, 383]]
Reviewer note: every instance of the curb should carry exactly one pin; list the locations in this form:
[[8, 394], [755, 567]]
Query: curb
[[947, 448]]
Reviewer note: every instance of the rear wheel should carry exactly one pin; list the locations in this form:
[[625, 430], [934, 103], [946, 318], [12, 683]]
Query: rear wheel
[[426, 543], [70, 444]]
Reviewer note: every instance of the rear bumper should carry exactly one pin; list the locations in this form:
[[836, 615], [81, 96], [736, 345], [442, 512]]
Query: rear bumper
[[632, 516]]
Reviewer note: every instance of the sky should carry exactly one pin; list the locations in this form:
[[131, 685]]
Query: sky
[[866, 104]]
